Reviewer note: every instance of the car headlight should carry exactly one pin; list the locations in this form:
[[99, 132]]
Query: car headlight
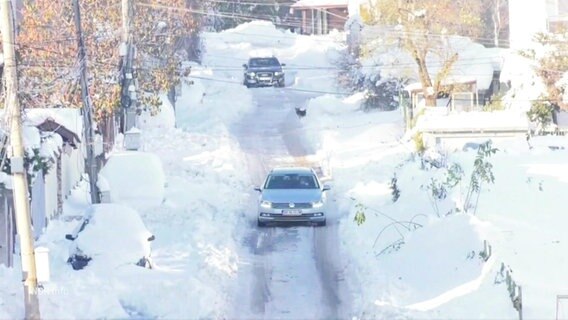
[[278, 73], [266, 204], [251, 74], [317, 204]]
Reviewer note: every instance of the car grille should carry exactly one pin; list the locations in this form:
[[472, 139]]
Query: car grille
[[286, 205], [264, 74]]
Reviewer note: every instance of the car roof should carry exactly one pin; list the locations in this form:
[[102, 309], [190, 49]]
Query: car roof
[[288, 170]]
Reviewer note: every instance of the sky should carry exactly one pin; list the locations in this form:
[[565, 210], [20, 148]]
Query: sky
[[414, 257]]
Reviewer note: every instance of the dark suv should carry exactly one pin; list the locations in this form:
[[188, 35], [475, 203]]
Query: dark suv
[[263, 71]]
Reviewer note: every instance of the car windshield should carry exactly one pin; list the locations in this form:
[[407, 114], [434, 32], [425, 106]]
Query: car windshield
[[291, 181], [263, 62]]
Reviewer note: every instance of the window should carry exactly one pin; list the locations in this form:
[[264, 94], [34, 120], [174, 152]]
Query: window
[[291, 181], [264, 62]]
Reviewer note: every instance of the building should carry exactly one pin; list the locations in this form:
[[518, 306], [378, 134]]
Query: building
[[320, 16], [557, 15]]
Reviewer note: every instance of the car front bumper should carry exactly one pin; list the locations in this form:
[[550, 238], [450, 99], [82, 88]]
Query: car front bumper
[[264, 81], [278, 215]]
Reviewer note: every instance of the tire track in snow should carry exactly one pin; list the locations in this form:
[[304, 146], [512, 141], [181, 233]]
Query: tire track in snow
[[293, 269]]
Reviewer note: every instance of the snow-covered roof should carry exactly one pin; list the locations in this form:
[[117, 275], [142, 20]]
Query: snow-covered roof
[[70, 118], [465, 80], [50, 125]]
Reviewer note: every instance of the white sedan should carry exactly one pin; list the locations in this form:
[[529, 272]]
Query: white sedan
[[292, 194]]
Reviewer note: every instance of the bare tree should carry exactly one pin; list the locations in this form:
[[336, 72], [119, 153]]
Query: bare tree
[[496, 21], [423, 27]]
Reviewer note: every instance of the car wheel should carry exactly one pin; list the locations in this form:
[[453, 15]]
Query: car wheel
[[261, 224], [322, 223], [282, 83], [145, 262]]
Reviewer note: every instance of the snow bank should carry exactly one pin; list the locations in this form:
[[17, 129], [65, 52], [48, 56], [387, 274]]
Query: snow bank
[[305, 69], [408, 258], [258, 33], [204, 105], [508, 119]]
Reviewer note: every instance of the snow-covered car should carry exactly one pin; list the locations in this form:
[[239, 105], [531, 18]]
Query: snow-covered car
[[292, 194], [134, 178], [110, 235], [263, 71]]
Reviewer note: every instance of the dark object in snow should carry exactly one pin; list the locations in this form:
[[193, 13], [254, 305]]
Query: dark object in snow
[[78, 262], [300, 112]]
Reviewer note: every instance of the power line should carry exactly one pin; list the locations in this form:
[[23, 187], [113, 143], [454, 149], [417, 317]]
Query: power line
[[254, 3], [286, 88], [253, 17]]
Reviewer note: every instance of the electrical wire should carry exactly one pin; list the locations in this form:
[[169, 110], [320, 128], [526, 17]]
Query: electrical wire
[[253, 17], [253, 3]]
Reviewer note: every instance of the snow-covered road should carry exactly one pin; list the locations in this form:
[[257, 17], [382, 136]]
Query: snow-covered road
[[294, 271]]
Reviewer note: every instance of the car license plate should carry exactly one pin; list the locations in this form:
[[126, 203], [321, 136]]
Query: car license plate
[[265, 78], [291, 212]]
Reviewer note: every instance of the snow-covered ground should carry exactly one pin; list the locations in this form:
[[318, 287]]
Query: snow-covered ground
[[408, 259]]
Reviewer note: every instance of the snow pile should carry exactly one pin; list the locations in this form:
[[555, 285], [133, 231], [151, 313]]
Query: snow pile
[[305, 69], [525, 85], [258, 33], [408, 257], [330, 117], [204, 103], [508, 119]]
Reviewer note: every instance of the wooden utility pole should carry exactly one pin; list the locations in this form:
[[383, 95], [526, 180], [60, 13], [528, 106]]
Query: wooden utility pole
[[128, 82], [126, 21], [19, 175], [90, 163]]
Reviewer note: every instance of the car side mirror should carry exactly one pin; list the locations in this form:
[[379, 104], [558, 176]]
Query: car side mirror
[[245, 65], [69, 237], [257, 189], [152, 238], [283, 64], [326, 187]]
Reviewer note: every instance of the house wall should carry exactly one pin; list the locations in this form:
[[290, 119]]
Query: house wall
[[322, 21], [50, 179], [72, 169], [337, 18]]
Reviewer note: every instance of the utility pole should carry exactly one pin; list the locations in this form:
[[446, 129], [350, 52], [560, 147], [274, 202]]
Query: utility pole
[[90, 164], [128, 92], [20, 179]]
